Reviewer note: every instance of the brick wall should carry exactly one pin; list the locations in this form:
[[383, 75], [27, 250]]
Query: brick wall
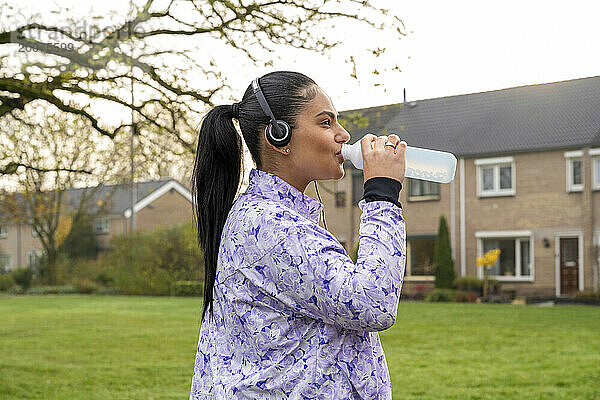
[[29, 242], [169, 209], [541, 205]]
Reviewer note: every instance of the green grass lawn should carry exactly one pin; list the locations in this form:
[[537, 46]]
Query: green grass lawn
[[97, 347]]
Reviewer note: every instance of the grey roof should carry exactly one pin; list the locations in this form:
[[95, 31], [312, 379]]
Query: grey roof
[[115, 198], [560, 115], [118, 196]]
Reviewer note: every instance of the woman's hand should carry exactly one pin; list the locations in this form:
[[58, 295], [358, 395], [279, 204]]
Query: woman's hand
[[382, 160]]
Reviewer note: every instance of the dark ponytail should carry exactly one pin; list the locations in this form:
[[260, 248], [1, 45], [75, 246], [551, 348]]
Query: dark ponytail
[[218, 164]]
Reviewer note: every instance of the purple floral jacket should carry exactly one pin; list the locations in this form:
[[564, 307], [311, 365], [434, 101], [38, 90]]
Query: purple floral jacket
[[294, 317]]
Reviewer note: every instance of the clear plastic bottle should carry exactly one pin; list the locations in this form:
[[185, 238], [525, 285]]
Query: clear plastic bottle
[[424, 164]]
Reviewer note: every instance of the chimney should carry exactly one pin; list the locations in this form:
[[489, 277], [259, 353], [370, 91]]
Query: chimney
[[411, 104]]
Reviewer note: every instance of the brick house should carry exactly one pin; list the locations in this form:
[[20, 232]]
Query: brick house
[[527, 182], [159, 203]]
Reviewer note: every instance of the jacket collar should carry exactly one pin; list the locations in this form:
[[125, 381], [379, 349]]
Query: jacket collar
[[273, 187]]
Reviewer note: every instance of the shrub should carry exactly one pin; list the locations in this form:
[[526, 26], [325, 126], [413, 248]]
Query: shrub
[[3, 267], [41, 290], [442, 258], [468, 283], [587, 295], [147, 262], [62, 270], [493, 286], [140, 279], [187, 288], [86, 286], [465, 297], [104, 279], [108, 291], [354, 255], [496, 298], [81, 242], [16, 289], [22, 277], [6, 282], [418, 291], [71, 271], [441, 295], [64, 289]]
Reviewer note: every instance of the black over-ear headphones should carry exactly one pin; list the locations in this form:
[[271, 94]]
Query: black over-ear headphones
[[279, 132]]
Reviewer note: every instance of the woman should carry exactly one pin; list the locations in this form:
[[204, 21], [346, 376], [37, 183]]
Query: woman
[[290, 315]]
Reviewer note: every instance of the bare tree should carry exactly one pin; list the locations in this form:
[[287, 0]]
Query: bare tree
[[73, 67], [60, 153]]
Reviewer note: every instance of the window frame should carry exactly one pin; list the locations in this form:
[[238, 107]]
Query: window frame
[[517, 236], [496, 163], [340, 199], [36, 253], [9, 264], [408, 276], [571, 156], [595, 162], [3, 231], [427, 197], [105, 226]]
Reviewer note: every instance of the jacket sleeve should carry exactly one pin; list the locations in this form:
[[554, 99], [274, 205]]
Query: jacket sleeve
[[311, 273]]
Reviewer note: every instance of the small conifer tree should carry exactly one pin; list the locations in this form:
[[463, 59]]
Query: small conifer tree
[[81, 242], [354, 255], [443, 264]]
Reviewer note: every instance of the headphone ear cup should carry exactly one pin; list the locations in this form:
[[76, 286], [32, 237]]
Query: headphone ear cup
[[273, 136]]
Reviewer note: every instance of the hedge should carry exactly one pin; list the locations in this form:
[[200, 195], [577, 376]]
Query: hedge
[[441, 295], [6, 282], [187, 288], [64, 289]]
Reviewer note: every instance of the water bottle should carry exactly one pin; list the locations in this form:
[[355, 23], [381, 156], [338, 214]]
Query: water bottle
[[424, 164]]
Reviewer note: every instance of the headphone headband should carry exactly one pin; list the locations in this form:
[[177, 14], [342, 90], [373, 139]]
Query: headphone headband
[[274, 123]]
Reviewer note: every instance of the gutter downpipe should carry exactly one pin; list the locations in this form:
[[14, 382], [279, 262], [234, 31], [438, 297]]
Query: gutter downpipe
[[463, 234], [453, 219], [19, 247]]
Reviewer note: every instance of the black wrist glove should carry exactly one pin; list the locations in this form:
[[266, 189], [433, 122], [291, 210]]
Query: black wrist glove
[[382, 188]]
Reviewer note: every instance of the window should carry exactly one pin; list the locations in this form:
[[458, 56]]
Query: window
[[340, 199], [3, 231], [5, 263], [358, 182], [574, 170], [595, 168], [575, 177], [33, 257], [101, 225], [420, 255], [496, 177], [423, 190], [516, 254]]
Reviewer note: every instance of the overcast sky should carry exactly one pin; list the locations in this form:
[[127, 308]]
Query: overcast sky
[[452, 47], [458, 47]]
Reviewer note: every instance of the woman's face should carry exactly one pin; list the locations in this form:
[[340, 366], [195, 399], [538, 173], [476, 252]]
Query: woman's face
[[315, 145]]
